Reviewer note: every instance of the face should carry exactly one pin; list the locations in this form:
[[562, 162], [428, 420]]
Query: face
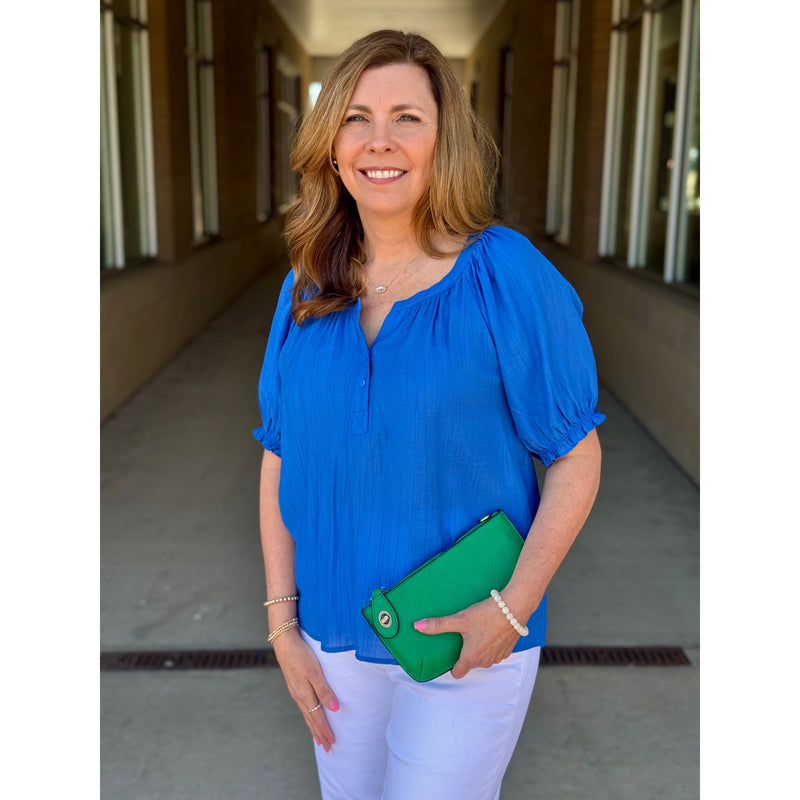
[[385, 144]]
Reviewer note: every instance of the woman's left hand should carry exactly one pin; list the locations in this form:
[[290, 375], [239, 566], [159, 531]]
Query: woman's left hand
[[488, 636]]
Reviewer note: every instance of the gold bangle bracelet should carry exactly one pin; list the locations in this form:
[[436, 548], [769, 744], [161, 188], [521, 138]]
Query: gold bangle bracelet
[[288, 625]]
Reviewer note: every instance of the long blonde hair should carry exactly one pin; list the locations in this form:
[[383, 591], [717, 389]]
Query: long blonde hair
[[323, 230]]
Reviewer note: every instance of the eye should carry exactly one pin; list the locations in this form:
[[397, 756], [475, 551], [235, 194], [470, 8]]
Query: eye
[[355, 118], [408, 118]]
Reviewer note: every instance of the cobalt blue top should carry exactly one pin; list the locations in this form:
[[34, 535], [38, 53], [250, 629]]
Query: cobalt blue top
[[390, 452]]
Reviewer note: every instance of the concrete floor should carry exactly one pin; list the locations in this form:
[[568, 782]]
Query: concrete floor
[[181, 568]]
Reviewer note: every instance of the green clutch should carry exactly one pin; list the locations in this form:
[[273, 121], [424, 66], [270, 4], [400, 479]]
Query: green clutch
[[477, 562]]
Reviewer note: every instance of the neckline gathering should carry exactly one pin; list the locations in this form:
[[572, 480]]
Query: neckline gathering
[[443, 283]]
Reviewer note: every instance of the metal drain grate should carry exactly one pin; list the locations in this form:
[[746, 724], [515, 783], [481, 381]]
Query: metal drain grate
[[614, 656], [186, 659], [552, 655]]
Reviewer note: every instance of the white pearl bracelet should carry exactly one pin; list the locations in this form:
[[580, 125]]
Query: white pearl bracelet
[[282, 599], [520, 629]]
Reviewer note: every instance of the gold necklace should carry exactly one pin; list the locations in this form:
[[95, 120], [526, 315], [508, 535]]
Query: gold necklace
[[381, 288]]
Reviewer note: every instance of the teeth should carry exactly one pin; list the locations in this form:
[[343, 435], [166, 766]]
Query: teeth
[[382, 174]]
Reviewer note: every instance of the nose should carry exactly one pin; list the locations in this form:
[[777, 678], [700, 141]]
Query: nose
[[381, 139]]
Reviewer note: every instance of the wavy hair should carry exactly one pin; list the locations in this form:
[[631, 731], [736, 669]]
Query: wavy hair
[[323, 230]]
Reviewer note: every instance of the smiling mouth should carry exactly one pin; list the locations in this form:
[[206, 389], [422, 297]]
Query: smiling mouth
[[383, 174]]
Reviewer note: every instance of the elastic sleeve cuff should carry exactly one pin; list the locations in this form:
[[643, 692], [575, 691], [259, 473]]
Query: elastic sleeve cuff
[[268, 441], [571, 438]]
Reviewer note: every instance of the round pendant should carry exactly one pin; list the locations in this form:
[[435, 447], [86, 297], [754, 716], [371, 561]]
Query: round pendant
[[380, 289]]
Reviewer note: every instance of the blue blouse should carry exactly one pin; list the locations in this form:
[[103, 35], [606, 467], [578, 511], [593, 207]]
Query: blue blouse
[[390, 452]]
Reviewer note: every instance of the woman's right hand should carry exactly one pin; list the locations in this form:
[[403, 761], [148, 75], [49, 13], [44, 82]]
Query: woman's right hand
[[307, 685]]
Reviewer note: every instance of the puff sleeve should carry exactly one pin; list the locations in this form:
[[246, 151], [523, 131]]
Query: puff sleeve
[[269, 432], [546, 361]]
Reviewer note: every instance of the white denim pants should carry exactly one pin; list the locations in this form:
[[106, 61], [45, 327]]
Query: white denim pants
[[397, 739]]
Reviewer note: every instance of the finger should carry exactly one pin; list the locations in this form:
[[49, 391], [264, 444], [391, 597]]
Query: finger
[[324, 692], [435, 625], [317, 720], [460, 669], [326, 701], [317, 723]]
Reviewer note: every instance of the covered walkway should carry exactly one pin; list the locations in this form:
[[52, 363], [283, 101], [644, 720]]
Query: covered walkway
[[182, 570]]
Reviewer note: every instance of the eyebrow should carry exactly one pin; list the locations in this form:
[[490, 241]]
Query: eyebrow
[[393, 109]]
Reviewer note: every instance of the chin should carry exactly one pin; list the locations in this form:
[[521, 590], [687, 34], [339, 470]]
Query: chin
[[389, 208]]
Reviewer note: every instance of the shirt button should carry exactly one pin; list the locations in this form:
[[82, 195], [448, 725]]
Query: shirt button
[[362, 384]]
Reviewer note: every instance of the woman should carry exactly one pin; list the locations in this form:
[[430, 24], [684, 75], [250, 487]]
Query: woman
[[418, 357]]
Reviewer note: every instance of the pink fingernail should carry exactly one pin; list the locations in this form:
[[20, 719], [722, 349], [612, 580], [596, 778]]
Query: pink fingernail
[[317, 741], [420, 625], [333, 706]]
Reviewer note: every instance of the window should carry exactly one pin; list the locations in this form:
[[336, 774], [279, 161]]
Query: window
[[562, 119], [650, 214], [202, 129], [264, 145], [127, 182], [288, 116], [684, 229]]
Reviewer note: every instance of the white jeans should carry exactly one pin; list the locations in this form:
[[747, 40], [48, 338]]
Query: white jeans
[[397, 739]]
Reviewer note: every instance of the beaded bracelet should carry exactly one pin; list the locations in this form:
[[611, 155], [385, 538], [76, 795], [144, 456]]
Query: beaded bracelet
[[520, 629], [288, 625], [282, 599]]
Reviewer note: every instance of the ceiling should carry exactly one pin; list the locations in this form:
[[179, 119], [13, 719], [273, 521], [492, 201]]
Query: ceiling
[[327, 27]]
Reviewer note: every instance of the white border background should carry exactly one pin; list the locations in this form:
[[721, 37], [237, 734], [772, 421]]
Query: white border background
[[49, 145]]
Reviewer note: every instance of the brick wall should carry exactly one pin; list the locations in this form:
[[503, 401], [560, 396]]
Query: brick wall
[[170, 100], [148, 312], [645, 334], [590, 119]]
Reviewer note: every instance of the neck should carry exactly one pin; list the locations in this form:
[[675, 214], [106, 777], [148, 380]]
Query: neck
[[386, 241]]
